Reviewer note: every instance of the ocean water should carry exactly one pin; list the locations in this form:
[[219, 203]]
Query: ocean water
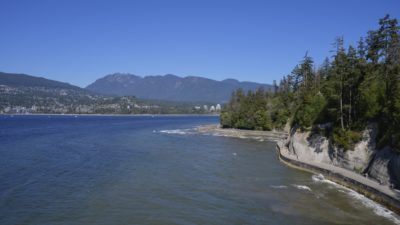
[[158, 170]]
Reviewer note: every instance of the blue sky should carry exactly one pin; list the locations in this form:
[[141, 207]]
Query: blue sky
[[79, 41]]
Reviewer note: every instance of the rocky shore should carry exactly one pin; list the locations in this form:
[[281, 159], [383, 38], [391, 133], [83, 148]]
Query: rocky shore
[[372, 189], [215, 129]]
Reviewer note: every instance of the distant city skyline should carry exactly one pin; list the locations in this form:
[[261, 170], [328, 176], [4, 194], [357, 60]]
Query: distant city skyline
[[260, 41]]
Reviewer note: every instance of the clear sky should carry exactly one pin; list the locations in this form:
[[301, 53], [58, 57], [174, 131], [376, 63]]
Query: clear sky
[[79, 41]]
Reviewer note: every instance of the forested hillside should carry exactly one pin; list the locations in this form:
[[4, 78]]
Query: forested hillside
[[359, 84]]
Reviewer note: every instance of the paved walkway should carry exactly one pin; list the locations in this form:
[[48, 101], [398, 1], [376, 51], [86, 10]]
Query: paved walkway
[[346, 173]]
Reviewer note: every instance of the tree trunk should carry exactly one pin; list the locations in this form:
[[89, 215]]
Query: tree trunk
[[341, 101], [350, 110]]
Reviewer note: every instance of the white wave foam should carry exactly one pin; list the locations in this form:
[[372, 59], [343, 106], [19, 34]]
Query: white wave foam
[[376, 207], [236, 136], [302, 187], [259, 139], [321, 179], [279, 186], [318, 178], [176, 131]]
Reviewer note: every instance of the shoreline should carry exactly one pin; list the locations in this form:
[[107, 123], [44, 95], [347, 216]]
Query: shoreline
[[371, 189], [216, 130], [367, 187], [122, 115]]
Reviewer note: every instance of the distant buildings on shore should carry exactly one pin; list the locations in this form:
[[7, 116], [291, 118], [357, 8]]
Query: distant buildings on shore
[[209, 108]]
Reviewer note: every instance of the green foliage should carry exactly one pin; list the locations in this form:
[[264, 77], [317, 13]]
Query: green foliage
[[280, 117], [226, 119], [247, 111], [262, 120], [310, 111], [345, 139], [371, 93]]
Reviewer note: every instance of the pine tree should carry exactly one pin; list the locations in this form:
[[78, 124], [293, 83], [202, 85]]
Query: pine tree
[[339, 73]]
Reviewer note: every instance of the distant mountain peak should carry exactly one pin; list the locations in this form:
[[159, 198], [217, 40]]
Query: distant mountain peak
[[168, 75], [231, 81], [114, 75]]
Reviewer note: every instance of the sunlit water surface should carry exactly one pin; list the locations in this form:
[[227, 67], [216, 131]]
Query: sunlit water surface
[[157, 170]]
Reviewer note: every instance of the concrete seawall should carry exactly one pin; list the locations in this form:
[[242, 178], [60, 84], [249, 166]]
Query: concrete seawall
[[388, 201]]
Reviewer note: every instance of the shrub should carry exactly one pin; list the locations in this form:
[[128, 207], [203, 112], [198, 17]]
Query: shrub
[[345, 139], [226, 119]]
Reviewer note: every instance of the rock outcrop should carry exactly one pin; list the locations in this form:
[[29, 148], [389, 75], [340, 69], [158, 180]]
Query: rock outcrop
[[382, 165]]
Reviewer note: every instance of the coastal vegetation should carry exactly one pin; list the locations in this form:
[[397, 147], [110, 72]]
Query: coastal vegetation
[[356, 86]]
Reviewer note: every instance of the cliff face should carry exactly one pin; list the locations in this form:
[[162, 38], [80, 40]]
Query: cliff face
[[382, 165]]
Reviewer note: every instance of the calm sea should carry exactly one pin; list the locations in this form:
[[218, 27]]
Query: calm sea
[[157, 170]]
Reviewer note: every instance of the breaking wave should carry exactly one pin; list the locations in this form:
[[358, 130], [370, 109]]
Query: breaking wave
[[321, 179], [279, 186], [228, 135], [301, 187], [176, 131], [376, 207]]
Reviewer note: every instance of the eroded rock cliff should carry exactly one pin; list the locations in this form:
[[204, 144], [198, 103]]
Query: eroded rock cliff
[[382, 165]]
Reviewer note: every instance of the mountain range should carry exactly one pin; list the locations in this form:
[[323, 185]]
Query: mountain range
[[116, 93], [171, 87]]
